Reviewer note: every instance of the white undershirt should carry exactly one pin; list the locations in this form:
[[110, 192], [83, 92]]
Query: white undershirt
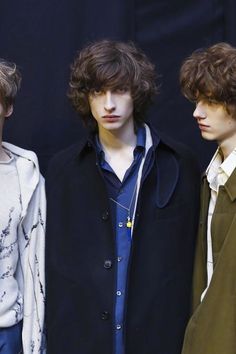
[[11, 302], [217, 174]]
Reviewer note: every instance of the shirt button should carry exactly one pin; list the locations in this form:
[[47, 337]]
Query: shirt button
[[119, 259], [118, 326], [105, 215], [120, 224], [107, 264], [118, 293], [105, 315]]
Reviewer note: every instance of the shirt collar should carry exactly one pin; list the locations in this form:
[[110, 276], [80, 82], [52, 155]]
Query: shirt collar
[[141, 137], [216, 166], [213, 167], [140, 145], [229, 163], [11, 158]]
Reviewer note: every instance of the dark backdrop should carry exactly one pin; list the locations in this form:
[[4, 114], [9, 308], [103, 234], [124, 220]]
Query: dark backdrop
[[43, 36]]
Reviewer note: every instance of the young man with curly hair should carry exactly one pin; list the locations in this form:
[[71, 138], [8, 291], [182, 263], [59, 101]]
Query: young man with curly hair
[[22, 235], [208, 77], [122, 217]]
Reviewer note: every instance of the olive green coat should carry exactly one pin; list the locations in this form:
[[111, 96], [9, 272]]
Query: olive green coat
[[212, 327]]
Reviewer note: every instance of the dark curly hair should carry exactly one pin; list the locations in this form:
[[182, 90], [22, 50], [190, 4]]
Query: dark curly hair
[[108, 64], [10, 80], [210, 74]]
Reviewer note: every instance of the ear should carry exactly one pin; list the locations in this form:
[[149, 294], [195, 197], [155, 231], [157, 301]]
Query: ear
[[9, 111]]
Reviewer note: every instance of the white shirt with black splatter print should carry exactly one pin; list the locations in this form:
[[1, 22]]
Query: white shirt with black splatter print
[[11, 301]]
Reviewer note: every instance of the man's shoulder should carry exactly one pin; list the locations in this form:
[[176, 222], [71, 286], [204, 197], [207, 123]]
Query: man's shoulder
[[18, 151], [178, 148], [63, 161], [65, 155], [168, 149]]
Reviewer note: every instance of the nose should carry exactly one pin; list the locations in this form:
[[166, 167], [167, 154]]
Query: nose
[[109, 103], [199, 112]]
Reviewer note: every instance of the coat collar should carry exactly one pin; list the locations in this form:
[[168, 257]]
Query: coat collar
[[28, 172], [230, 186], [167, 164], [167, 167], [167, 176]]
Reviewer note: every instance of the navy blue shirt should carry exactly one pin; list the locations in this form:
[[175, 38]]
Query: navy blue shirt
[[122, 197]]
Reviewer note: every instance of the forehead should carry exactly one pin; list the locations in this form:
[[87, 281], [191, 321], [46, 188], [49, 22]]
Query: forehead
[[110, 84]]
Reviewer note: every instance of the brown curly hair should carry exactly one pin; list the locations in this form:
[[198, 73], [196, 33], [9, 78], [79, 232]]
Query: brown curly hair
[[210, 74], [108, 64], [10, 80]]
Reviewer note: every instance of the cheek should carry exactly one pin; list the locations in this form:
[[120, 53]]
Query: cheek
[[129, 105], [230, 124], [94, 106]]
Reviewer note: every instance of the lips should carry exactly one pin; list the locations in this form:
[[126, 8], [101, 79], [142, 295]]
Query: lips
[[203, 127], [111, 118]]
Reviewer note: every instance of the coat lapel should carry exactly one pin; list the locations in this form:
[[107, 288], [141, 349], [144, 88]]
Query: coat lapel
[[230, 186], [28, 173], [167, 176]]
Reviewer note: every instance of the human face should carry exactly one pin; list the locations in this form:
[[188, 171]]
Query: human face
[[215, 123], [112, 109]]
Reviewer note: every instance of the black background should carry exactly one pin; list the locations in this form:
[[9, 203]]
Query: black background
[[42, 37]]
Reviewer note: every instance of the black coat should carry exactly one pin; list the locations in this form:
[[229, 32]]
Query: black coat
[[81, 254]]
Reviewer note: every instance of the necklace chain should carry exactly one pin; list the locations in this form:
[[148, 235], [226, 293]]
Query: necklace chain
[[122, 206], [129, 222]]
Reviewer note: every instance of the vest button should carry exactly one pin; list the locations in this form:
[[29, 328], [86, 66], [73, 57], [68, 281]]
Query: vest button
[[107, 264]]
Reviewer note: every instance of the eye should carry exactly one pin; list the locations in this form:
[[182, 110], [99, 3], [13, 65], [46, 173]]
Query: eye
[[208, 101], [96, 92], [121, 90], [211, 101]]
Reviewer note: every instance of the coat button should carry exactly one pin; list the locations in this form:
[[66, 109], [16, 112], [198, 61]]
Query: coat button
[[105, 215], [105, 315], [107, 264]]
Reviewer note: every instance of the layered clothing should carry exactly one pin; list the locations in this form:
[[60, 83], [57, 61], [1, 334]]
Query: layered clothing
[[30, 272], [212, 327], [81, 288]]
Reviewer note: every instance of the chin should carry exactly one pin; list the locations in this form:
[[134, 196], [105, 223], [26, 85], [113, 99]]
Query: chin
[[112, 126], [208, 137]]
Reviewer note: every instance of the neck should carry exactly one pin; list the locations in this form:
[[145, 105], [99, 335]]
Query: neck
[[118, 148], [3, 155], [227, 147], [116, 140]]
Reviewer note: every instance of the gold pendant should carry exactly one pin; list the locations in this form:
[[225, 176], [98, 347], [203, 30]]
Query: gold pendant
[[129, 222]]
